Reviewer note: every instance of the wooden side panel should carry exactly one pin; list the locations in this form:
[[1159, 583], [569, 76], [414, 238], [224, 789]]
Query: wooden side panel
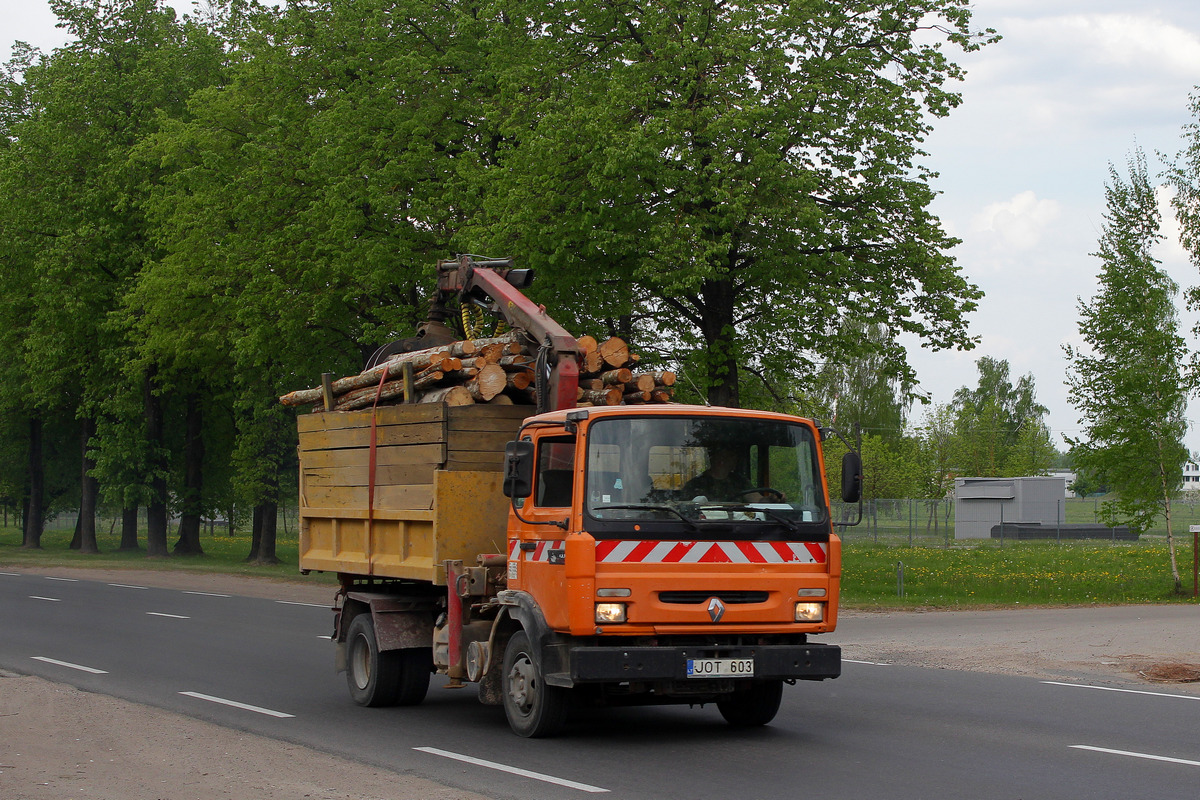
[[475, 442], [472, 515], [433, 454], [411, 496], [437, 488], [403, 434], [395, 544], [338, 420]]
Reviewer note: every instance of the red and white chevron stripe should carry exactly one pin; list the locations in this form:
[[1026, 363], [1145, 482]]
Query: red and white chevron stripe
[[539, 553], [673, 552]]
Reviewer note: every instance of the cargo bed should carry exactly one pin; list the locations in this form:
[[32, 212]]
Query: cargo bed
[[436, 494]]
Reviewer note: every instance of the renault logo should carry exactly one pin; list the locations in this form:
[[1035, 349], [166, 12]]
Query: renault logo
[[716, 609]]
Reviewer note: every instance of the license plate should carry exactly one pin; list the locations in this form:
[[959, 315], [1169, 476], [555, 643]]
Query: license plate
[[720, 667]]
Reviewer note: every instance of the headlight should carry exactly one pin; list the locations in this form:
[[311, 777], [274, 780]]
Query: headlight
[[610, 612], [810, 612]]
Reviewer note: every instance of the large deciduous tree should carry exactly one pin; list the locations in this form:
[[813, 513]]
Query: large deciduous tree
[[747, 173], [74, 220], [1129, 383]]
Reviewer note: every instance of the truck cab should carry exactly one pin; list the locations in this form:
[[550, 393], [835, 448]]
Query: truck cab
[[666, 554]]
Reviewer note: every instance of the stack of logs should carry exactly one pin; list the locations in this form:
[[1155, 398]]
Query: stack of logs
[[498, 370]]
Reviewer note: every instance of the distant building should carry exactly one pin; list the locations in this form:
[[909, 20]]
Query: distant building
[[1191, 476], [981, 503], [1069, 477]]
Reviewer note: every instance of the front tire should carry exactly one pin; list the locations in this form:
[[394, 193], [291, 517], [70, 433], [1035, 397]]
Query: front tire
[[534, 708], [754, 706]]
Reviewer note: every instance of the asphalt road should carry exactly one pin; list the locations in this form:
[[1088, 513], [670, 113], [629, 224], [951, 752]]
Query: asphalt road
[[877, 732]]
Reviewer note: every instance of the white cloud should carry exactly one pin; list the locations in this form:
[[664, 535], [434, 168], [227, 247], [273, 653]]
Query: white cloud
[[1019, 223], [1128, 40]]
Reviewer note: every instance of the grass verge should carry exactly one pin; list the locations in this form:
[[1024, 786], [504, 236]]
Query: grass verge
[[1022, 573], [222, 554]]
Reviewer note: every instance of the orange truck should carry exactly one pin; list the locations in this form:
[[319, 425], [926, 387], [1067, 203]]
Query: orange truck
[[632, 554]]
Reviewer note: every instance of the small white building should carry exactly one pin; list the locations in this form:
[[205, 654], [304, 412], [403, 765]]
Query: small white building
[[1068, 477], [1191, 476]]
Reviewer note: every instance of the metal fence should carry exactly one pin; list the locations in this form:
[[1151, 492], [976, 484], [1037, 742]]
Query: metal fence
[[287, 524], [917, 522], [913, 522]]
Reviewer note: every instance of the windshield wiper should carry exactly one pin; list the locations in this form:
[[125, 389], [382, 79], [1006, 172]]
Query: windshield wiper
[[790, 524], [649, 507]]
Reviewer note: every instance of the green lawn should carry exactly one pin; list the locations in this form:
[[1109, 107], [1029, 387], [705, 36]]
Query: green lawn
[[1025, 573], [222, 553]]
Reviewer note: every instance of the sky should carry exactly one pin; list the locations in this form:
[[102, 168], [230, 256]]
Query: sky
[[1074, 87]]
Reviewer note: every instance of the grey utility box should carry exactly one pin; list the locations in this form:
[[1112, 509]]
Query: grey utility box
[[981, 503]]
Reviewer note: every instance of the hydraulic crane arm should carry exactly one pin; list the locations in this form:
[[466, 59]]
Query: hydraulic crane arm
[[494, 284]]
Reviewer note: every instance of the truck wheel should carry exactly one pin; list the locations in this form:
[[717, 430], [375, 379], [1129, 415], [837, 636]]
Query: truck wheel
[[416, 665], [373, 677], [754, 706], [534, 708]]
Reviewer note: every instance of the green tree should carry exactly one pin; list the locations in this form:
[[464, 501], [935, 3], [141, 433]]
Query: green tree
[[302, 205], [936, 453], [73, 216], [999, 428], [1129, 384], [854, 388], [890, 468], [747, 174]]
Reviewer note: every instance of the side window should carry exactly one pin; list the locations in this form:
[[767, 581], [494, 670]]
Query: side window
[[555, 473]]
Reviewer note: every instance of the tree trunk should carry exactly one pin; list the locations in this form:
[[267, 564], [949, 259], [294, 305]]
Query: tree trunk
[[156, 509], [1166, 489], [88, 491], [719, 332], [129, 525], [34, 502], [256, 526], [268, 514], [193, 480]]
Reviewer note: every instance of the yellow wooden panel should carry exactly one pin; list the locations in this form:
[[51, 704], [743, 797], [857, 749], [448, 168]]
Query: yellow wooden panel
[[418, 495], [386, 415], [472, 515], [386, 474], [414, 433], [334, 545], [486, 441], [360, 457], [403, 549], [487, 418]]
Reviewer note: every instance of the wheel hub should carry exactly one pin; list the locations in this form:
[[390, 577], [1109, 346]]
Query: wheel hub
[[520, 684], [360, 664]]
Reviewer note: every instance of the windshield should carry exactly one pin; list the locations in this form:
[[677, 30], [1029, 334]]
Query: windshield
[[696, 472]]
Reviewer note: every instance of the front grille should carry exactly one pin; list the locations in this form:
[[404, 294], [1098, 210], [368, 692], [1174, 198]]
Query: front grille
[[732, 598]]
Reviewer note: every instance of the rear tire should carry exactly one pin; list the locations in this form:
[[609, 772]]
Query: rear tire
[[416, 665], [534, 708], [373, 677], [754, 706]]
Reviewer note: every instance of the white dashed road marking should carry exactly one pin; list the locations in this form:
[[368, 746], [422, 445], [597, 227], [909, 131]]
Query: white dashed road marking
[[1136, 755], [69, 665], [235, 704], [537, 776]]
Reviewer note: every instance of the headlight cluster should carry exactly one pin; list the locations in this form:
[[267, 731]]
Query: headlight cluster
[[609, 613], [810, 612]]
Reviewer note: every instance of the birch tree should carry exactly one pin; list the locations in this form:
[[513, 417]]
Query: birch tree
[[1129, 382]]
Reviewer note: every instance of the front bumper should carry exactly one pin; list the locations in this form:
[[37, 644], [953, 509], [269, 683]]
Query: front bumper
[[812, 662]]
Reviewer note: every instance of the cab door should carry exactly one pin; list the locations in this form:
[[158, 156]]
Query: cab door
[[539, 547]]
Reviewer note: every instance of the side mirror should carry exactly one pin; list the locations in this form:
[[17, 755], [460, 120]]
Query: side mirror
[[518, 469], [852, 477]]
